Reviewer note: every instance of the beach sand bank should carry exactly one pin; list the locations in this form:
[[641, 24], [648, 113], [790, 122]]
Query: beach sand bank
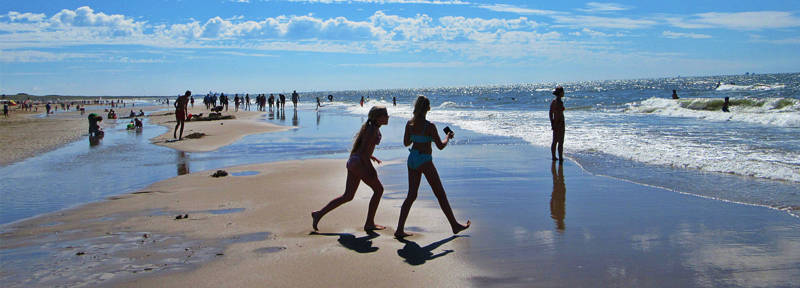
[[218, 133], [242, 231]]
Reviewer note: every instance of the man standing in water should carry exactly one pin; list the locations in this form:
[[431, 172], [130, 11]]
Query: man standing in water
[[180, 113], [295, 98], [557, 124]]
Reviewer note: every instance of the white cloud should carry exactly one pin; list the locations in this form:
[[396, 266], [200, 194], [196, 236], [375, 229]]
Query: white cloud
[[676, 35], [26, 56], [31, 17], [412, 64], [739, 21], [594, 7], [604, 22], [595, 34], [515, 9]]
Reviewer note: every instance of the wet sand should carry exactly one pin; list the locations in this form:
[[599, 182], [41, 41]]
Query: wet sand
[[242, 231], [218, 133]]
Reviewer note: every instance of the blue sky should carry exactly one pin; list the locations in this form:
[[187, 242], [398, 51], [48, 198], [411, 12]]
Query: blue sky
[[163, 47]]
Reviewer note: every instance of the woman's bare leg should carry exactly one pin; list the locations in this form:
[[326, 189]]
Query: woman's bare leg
[[414, 177], [438, 190], [349, 192], [377, 192]]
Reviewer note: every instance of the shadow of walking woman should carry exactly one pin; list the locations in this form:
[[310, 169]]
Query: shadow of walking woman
[[416, 255], [361, 244]]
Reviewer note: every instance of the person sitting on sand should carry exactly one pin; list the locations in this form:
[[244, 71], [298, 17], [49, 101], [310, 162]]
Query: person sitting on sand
[[359, 168], [419, 134], [180, 113], [133, 114], [141, 113], [557, 124], [725, 105], [94, 124], [675, 94]]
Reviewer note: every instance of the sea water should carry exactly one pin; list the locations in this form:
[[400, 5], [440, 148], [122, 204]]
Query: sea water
[[634, 130]]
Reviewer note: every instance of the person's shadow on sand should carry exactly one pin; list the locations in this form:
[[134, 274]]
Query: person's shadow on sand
[[361, 244], [416, 255]]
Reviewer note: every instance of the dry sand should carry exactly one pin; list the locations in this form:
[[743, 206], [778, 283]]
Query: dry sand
[[268, 243], [218, 133]]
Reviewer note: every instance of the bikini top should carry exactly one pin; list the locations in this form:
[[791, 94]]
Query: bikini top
[[422, 138]]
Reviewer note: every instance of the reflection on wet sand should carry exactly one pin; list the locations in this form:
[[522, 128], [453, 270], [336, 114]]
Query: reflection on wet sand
[[182, 163], [294, 118], [559, 197]]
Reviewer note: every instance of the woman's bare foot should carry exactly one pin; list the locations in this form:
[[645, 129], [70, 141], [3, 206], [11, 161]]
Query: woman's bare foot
[[315, 216], [401, 234], [373, 227], [460, 227]]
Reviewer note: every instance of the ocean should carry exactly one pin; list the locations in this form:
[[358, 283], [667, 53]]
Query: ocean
[[634, 130]]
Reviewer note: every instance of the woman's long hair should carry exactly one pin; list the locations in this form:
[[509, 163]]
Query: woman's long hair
[[372, 117], [421, 107]]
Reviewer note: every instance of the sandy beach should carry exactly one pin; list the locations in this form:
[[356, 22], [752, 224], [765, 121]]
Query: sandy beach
[[270, 215], [26, 135]]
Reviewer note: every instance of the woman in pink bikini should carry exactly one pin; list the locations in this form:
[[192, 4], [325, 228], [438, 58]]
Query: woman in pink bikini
[[359, 168]]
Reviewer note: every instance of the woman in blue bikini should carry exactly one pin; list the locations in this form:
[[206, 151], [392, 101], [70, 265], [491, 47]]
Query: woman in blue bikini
[[359, 168], [419, 134]]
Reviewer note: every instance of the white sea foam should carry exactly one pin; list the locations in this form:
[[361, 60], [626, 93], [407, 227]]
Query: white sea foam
[[754, 87], [587, 131], [759, 111]]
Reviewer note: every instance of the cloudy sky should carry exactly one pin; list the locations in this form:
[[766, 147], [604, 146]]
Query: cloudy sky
[[162, 47]]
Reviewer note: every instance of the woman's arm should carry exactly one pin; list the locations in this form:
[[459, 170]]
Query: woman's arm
[[407, 135], [439, 143]]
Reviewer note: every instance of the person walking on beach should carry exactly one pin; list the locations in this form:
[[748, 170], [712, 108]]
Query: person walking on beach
[[359, 168], [5, 110], [557, 124], [247, 101], [180, 113], [191, 100], [236, 101], [270, 101], [419, 134], [295, 98], [283, 100], [362, 101]]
